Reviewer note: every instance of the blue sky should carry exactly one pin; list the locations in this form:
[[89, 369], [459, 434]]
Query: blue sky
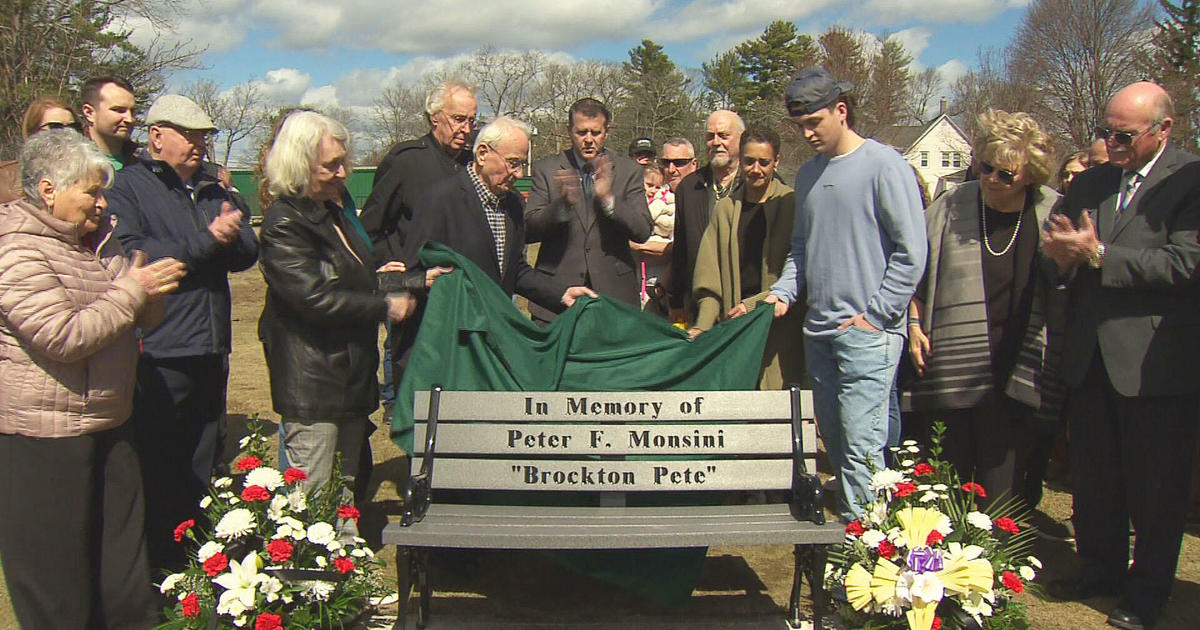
[[318, 52]]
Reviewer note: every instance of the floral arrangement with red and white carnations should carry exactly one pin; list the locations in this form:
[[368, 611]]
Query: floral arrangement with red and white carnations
[[275, 559], [923, 557]]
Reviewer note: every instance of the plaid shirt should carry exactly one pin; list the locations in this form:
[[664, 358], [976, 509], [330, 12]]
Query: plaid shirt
[[495, 216]]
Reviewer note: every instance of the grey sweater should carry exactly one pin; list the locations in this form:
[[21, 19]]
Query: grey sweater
[[858, 243]]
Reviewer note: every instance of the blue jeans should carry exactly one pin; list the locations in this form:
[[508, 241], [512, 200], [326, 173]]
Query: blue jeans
[[852, 373]]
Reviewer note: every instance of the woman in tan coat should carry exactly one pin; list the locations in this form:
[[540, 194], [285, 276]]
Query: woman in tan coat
[[70, 488], [742, 253]]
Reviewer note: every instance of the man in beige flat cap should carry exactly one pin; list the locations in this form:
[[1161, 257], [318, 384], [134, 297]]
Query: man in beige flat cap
[[167, 205]]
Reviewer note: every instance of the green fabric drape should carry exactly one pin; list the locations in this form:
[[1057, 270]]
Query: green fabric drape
[[472, 337]]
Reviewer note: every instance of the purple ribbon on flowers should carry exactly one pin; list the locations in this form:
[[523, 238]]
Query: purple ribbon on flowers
[[924, 559]]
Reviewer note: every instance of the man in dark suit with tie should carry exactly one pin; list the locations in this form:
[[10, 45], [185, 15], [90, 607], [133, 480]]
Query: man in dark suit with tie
[[585, 206], [1131, 340], [479, 215]]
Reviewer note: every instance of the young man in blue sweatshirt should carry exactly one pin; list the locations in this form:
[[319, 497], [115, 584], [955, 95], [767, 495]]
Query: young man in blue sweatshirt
[[859, 248]]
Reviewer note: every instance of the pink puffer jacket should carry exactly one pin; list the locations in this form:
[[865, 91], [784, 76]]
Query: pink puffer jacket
[[68, 354]]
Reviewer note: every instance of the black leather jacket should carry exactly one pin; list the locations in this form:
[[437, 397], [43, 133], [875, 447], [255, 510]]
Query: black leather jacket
[[320, 325]]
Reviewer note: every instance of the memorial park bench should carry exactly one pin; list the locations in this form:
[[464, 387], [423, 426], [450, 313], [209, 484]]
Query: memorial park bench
[[707, 443]]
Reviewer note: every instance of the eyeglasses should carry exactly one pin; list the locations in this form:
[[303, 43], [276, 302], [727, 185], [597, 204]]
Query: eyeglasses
[[762, 162], [1123, 137], [676, 162], [1005, 176], [59, 125], [458, 120]]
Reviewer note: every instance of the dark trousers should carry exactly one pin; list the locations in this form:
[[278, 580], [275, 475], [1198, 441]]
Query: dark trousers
[[987, 444], [1131, 458], [177, 410], [71, 532]]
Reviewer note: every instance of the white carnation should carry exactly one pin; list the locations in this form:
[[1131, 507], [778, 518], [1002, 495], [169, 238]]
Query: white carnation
[[208, 550], [1027, 573], [170, 582], [980, 520], [321, 533], [886, 479], [872, 537]]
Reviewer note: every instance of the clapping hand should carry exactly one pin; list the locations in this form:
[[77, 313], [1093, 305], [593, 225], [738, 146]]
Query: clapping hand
[[159, 277], [226, 225]]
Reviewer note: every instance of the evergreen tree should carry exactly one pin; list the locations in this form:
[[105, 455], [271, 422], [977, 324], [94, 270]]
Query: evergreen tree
[[1177, 66], [657, 103], [723, 75], [768, 64]]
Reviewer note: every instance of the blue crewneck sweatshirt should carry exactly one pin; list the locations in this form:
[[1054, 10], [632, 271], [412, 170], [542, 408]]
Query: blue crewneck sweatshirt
[[858, 244]]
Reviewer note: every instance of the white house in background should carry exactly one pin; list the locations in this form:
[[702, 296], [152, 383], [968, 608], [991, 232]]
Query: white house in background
[[940, 151]]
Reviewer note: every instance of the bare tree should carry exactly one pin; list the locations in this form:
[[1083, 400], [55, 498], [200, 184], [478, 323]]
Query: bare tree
[[926, 85], [399, 114], [47, 47], [1074, 54], [239, 113], [987, 87], [504, 82]]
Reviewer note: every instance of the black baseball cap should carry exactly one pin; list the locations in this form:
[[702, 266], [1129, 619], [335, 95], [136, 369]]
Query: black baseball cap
[[813, 89], [642, 145]]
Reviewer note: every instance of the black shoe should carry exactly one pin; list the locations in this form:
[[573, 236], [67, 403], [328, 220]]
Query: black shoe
[[1123, 617], [1075, 589]]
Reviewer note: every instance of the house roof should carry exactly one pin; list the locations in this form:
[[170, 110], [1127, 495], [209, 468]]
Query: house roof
[[905, 137]]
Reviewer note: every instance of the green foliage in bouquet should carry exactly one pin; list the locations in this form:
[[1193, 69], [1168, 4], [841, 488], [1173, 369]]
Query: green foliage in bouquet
[[277, 557], [923, 557]]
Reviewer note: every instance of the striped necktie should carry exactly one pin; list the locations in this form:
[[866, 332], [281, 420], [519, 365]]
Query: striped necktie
[[1130, 189]]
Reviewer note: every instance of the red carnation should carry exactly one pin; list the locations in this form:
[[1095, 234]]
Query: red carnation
[[343, 565], [1007, 524], [348, 512], [280, 550], [886, 549], [292, 475], [215, 564], [1012, 582], [905, 488], [855, 528], [975, 489], [191, 606], [267, 621], [937, 624], [255, 493], [247, 463], [934, 538], [182, 529], [923, 469]]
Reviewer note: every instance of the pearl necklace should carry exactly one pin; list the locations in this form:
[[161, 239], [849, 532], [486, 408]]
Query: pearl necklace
[[983, 219]]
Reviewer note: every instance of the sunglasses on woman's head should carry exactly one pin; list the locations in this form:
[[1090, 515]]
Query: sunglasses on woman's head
[[59, 125], [1003, 175]]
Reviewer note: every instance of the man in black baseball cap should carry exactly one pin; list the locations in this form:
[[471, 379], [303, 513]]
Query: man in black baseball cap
[[642, 151]]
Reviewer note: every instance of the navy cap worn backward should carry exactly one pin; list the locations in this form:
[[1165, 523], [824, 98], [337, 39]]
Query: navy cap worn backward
[[813, 89]]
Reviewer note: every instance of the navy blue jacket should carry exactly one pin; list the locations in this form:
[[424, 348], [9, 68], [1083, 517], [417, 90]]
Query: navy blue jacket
[[157, 214]]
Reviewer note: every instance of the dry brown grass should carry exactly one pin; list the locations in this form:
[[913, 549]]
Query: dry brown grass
[[737, 583]]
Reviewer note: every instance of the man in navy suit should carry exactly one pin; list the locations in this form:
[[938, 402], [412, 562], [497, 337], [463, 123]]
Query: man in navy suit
[[1124, 242], [479, 215]]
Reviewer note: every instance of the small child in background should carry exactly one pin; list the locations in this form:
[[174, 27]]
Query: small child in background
[[652, 255]]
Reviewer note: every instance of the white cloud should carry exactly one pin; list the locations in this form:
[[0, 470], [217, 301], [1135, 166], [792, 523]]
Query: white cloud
[[285, 86], [915, 40], [441, 26], [704, 18], [939, 11], [216, 26], [952, 70]]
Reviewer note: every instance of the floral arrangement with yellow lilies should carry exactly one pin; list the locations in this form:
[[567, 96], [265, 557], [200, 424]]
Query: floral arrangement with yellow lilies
[[924, 556]]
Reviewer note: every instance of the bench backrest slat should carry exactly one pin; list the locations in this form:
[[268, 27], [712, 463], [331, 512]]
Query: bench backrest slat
[[614, 441]]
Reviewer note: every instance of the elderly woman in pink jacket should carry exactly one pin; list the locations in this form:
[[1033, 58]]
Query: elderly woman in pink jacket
[[71, 536]]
